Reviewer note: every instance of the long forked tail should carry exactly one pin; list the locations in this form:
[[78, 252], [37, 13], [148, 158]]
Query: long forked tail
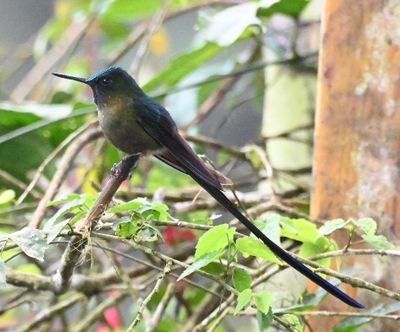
[[277, 250]]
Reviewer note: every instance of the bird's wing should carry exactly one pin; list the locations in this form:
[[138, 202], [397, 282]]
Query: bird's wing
[[180, 154]]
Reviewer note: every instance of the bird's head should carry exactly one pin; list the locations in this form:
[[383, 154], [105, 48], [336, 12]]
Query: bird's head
[[109, 86]]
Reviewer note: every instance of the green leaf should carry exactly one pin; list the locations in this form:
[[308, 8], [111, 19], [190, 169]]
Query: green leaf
[[182, 65], [331, 225], [31, 241], [132, 205], [201, 262], [305, 231], [377, 241], [154, 210], [308, 249], [252, 247], [7, 196], [286, 7], [264, 320], [228, 25], [272, 227], [55, 230], [147, 234], [263, 301], [214, 239], [368, 225], [243, 299], [64, 199], [353, 323], [241, 279], [294, 322], [2, 272], [70, 207], [127, 10], [126, 229]]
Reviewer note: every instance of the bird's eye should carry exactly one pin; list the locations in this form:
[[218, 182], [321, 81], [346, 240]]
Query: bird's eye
[[105, 81]]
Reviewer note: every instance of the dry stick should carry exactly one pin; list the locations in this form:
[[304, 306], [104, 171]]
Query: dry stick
[[11, 180], [214, 314], [51, 157], [96, 313], [357, 252], [339, 313], [73, 252], [50, 312], [120, 173], [139, 314], [162, 306], [62, 170], [73, 33]]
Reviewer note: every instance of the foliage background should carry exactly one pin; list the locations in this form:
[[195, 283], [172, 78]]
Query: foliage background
[[239, 77]]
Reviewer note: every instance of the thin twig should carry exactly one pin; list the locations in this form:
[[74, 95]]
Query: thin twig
[[161, 307], [50, 312], [97, 312], [13, 181], [160, 279], [339, 313]]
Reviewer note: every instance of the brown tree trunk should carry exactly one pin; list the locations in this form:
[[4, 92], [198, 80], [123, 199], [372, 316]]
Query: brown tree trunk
[[357, 142]]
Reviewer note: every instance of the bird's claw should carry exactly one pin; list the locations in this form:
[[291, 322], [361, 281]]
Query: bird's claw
[[115, 170]]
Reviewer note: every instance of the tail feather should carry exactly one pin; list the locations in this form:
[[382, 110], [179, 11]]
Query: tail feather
[[277, 250]]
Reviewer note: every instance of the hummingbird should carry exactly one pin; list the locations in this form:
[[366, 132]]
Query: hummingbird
[[137, 124]]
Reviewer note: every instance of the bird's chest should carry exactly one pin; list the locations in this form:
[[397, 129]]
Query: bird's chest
[[123, 131]]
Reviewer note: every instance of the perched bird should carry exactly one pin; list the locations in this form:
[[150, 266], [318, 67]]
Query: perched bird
[[137, 124]]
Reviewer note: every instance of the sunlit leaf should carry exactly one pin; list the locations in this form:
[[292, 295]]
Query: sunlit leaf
[[128, 206], [7, 196], [228, 25], [201, 262], [377, 241], [368, 225], [263, 301], [286, 7], [181, 66], [271, 227], [243, 299], [214, 239], [252, 247], [306, 231], [331, 225]]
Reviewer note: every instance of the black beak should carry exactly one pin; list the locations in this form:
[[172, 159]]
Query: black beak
[[73, 78]]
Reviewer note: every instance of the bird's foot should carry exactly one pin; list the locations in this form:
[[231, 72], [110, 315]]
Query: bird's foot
[[122, 169]]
